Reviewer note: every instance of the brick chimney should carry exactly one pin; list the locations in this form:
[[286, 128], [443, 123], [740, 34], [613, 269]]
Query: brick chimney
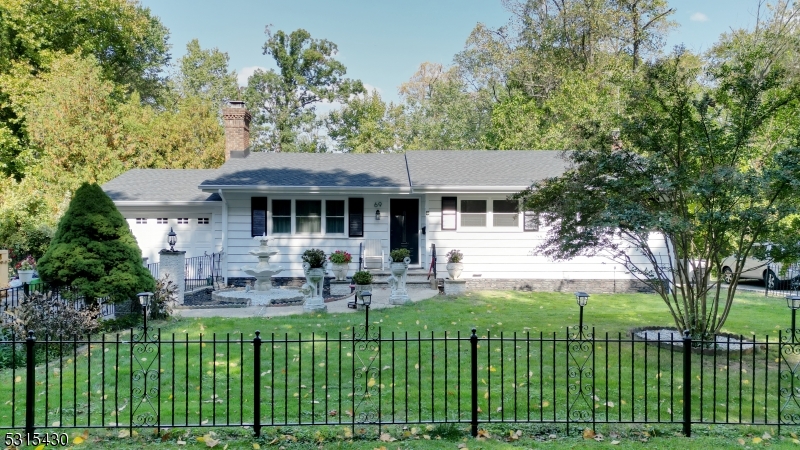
[[237, 130]]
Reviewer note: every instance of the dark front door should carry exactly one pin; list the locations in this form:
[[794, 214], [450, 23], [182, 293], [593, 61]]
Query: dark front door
[[404, 227]]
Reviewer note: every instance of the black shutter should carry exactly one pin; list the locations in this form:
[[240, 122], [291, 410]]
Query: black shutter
[[356, 218], [258, 216], [449, 213]]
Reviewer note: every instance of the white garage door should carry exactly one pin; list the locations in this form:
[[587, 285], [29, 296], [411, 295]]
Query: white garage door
[[194, 233]]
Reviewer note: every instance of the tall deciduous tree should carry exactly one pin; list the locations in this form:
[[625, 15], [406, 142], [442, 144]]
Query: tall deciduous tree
[[441, 112], [689, 182], [128, 41], [94, 251], [284, 101], [365, 124], [204, 74]]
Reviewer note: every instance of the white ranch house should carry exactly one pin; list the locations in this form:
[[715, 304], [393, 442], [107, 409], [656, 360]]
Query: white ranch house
[[335, 201]]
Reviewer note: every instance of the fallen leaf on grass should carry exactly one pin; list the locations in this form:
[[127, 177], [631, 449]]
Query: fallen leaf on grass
[[766, 436], [757, 440], [588, 433], [386, 437], [483, 434]]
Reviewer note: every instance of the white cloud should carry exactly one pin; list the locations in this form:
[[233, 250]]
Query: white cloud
[[244, 74], [698, 17], [370, 88]]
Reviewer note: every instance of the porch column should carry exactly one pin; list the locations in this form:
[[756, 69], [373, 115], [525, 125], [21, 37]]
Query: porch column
[[174, 265]]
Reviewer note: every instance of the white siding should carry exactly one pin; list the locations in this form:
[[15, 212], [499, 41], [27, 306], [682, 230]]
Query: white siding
[[194, 238], [291, 246], [508, 253]]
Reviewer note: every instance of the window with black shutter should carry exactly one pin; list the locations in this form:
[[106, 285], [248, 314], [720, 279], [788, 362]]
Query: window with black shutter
[[356, 217], [449, 213], [258, 216]]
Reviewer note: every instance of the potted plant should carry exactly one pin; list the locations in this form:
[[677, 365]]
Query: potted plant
[[26, 268], [400, 259], [363, 281], [340, 260], [314, 264], [315, 258], [454, 265]]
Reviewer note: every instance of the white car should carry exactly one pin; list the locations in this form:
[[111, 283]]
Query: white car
[[757, 269]]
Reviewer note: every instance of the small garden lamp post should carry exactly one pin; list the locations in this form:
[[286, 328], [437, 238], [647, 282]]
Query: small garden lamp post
[[582, 298], [172, 239], [793, 302], [144, 300]]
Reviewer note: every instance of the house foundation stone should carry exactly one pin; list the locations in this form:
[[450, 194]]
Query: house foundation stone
[[454, 287]]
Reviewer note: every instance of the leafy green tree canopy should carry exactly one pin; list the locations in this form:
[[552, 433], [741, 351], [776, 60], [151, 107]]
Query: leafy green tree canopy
[[697, 173], [204, 73], [128, 41], [365, 124], [94, 251], [283, 101]]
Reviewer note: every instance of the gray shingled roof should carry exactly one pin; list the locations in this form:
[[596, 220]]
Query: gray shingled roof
[[312, 170], [160, 185], [497, 168], [427, 169]]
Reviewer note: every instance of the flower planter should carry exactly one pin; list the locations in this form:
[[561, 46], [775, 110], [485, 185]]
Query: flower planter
[[397, 282], [340, 270], [454, 270], [398, 268], [25, 275], [313, 288], [316, 274]]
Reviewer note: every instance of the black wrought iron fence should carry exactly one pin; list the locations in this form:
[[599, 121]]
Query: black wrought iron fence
[[148, 379], [201, 271]]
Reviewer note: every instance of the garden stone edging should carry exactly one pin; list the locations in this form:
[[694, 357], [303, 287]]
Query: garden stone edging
[[745, 348]]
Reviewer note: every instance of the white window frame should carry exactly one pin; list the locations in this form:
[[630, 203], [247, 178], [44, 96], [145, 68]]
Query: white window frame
[[271, 216], [489, 216], [323, 217]]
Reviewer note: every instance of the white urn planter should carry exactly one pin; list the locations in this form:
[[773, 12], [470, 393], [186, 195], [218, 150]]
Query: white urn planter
[[397, 281], [313, 289], [25, 275], [340, 270], [454, 270]]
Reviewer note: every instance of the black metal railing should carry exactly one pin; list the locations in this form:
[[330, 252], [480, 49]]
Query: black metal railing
[[201, 271], [577, 379]]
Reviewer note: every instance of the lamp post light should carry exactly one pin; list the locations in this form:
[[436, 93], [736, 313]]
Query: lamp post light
[[144, 300], [793, 302], [582, 298], [172, 239]]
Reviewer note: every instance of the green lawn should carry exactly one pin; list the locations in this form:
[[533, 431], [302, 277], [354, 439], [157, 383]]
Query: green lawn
[[420, 375]]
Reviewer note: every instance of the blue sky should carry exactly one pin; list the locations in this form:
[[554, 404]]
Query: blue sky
[[383, 43]]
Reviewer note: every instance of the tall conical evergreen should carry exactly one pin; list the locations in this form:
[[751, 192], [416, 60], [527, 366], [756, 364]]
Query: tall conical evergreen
[[94, 251]]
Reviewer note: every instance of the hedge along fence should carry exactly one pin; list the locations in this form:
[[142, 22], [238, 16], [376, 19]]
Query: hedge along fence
[[136, 379]]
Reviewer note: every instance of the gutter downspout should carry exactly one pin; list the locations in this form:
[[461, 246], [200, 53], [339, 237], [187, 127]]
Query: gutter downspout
[[224, 235]]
